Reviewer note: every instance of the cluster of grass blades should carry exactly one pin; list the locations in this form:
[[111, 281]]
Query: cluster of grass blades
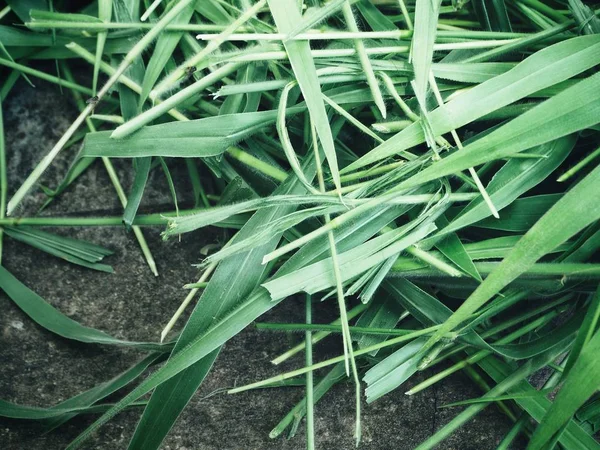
[[431, 166]]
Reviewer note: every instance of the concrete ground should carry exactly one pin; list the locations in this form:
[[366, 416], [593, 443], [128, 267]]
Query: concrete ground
[[41, 369]]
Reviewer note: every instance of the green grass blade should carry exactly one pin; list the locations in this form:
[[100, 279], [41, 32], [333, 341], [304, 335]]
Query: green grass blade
[[574, 109], [492, 14], [163, 51], [53, 320], [287, 16], [545, 68], [104, 14], [585, 334], [514, 179], [579, 385], [426, 18], [573, 212], [142, 169], [364, 60], [194, 138]]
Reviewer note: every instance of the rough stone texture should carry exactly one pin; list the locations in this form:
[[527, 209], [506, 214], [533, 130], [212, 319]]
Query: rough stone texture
[[38, 368]]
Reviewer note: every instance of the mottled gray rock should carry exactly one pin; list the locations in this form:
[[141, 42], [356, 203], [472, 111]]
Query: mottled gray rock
[[38, 368]]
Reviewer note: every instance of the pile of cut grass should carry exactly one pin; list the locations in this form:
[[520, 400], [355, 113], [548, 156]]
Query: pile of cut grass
[[431, 168]]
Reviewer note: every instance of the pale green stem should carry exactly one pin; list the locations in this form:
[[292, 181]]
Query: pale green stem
[[134, 53], [433, 261], [347, 338], [255, 163], [4, 11], [327, 35], [148, 116], [186, 302], [546, 10], [104, 14], [580, 165], [99, 26], [358, 124], [45, 76], [108, 118], [370, 172], [281, 55], [337, 359], [167, 83], [405, 14], [195, 285], [150, 10], [319, 336], [110, 71], [458, 143], [364, 60], [310, 416]]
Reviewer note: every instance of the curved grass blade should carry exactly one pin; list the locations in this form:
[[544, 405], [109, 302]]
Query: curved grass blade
[[286, 16], [53, 320]]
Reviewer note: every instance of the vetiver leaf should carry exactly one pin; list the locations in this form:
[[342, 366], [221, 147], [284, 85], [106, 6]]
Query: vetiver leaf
[[573, 212], [545, 68], [287, 16]]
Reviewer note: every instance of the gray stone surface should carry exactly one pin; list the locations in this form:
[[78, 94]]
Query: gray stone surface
[[38, 368]]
